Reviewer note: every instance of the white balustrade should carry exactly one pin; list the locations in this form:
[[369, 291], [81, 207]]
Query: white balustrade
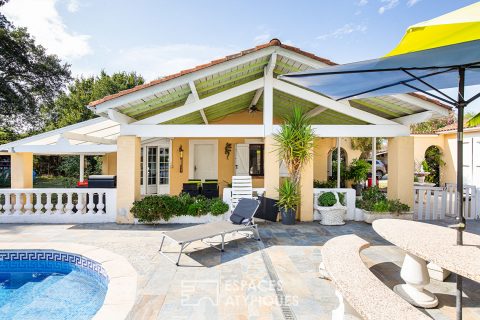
[[47, 205]]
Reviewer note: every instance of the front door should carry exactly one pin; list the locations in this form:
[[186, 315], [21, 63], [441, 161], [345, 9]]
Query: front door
[[204, 160]]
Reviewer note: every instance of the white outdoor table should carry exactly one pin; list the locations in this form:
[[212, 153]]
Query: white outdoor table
[[426, 242]]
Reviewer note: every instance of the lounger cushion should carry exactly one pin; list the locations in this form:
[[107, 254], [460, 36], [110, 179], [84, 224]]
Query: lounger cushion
[[244, 211]]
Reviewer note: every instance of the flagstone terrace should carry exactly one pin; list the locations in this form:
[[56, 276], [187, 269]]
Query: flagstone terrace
[[239, 283]]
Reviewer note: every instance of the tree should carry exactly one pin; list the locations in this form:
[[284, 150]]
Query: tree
[[29, 77], [365, 145], [70, 107]]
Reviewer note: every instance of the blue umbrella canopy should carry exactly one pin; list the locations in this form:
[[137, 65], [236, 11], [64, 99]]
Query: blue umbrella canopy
[[423, 71]]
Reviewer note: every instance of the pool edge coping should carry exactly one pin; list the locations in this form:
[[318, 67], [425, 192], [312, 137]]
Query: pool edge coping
[[122, 277]]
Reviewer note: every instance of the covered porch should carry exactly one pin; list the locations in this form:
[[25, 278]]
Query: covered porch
[[157, 136]]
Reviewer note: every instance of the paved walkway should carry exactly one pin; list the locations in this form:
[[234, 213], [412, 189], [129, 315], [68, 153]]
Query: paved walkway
[[245, 281]]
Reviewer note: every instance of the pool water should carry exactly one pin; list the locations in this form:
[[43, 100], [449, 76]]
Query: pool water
[[36, 289]]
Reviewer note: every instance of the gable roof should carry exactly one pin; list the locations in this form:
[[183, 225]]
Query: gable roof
[[271, 43]]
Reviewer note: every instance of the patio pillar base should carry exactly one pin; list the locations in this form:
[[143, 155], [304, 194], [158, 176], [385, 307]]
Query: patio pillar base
[[21, 170], [414, 272], [128, 176], [401, 169]]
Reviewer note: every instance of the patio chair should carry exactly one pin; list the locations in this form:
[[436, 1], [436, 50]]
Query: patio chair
[[241, 189], [210, 189], [240, 220], [191, 188]]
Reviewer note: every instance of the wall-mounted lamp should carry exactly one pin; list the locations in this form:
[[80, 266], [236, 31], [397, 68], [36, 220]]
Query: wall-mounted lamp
[[180, 150]]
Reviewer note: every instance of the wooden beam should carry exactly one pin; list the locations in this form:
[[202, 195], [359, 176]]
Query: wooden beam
[[329, 103], [87, 138], [415, 118], [203, 103], [66, 149], [378, 130], [256, 97], [116, 116], [193, 130], [197, 98]]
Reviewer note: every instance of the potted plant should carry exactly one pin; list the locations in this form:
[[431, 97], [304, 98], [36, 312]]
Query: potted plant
[[288, 201], [294, 144], [375, 206], [331, 209], [358, 172]]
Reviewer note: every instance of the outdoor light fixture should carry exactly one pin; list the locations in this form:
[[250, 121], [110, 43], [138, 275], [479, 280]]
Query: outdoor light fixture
[[180, 149]]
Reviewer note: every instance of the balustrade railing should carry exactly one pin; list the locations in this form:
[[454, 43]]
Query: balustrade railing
[[52, 205]]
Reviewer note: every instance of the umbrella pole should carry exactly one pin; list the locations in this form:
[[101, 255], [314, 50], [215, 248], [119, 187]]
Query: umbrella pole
[[460, 223]]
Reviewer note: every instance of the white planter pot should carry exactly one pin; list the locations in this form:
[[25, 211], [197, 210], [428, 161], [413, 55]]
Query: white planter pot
[[189, 219], [369, 217], [359, 216], [332, 216]]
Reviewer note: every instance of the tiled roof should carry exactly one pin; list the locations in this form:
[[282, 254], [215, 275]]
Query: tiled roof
[[271, 43], [453, 127]]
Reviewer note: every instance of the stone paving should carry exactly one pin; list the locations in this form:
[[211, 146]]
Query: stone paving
[[238, 284]]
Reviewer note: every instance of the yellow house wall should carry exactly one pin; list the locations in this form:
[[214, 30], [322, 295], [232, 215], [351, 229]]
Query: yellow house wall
[[320, 155], [109, 163], [21, 170]]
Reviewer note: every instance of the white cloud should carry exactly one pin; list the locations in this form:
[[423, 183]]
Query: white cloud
[[362, 3], [262, 38], [388, 4], [73, 6], [411, 3], [153, 62], [43, 22], [347, 29]]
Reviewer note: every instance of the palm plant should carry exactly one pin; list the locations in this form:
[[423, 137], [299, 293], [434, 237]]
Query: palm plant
[[294, 143]]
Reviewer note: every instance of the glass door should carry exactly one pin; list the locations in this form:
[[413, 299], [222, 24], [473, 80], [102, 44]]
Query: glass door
[[164, 170], [152, 170]]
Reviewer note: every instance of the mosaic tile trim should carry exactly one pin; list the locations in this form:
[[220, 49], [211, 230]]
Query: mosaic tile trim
[[56, 256]]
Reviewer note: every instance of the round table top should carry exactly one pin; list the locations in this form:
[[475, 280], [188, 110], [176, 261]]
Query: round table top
[[435, 244]]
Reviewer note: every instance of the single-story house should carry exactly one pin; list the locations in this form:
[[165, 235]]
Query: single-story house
[[156, 136]]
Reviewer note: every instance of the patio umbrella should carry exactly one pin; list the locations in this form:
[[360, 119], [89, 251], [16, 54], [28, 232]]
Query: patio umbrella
[[433, 55]]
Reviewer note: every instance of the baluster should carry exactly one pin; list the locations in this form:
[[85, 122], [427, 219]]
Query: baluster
[[80, 203], [7, 207], [49, 205], [38, 204], [28, 203], [69, 205], [18, 203], [100, 205], [91, 203], [59, 205]]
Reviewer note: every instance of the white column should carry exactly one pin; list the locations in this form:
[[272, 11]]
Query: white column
[[339, 162], [374, 161], [268, 105], [82, 167]]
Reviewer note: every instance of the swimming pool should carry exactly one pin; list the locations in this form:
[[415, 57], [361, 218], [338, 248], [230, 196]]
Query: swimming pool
[[49, 284]]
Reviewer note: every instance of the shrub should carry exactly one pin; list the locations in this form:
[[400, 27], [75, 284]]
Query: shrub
[[156, 207], [374, 200], [327, 199], [325, 184], [341, 198]]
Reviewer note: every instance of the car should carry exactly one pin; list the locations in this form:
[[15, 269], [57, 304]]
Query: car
[[381, 169], [383, 182]]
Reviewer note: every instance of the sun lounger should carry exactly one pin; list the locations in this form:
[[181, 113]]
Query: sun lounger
[[241, 220]]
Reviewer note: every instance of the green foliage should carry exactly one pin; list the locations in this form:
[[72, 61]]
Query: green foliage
[[341, 198], [157, 207], [358, 170], [289, 197], [5, 179], [376, 201], [70, 166], [433, 125], [327, 199], [329, 184], [29, 77], [365, 145], [69, 107], [433, 161], [295, 142], [474, 121]]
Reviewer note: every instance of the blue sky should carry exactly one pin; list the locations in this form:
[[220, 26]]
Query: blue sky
[[157, 38]]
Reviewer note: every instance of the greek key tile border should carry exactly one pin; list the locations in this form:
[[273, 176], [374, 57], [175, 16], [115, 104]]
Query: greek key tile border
[[56, 256]]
